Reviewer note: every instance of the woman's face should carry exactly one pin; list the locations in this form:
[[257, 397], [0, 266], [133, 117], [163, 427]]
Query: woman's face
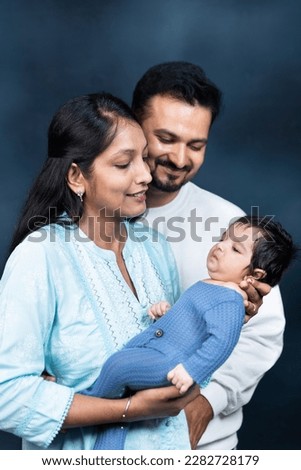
[[120, 175]]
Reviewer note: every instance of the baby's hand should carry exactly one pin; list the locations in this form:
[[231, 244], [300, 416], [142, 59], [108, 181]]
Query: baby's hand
[[158, 310], [180, 378]]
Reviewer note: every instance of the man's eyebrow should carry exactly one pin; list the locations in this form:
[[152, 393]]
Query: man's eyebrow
[[165, 131], [175, 136], [200, 140]]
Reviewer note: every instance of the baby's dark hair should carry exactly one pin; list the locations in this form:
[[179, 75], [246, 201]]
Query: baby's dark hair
[[273, 251]]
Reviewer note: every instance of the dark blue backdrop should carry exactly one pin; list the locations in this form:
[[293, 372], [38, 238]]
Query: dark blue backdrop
[[56, 49]]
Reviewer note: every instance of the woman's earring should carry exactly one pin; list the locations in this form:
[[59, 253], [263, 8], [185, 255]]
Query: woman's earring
[[80, 195]]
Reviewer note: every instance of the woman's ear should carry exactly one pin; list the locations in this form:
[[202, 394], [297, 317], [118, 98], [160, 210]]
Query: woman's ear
[[75, 179], [259, 274]]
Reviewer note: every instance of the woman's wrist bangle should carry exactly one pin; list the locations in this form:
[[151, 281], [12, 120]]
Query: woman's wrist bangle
[[126, 409]]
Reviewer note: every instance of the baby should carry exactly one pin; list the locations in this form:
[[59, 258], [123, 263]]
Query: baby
[[196, 336]]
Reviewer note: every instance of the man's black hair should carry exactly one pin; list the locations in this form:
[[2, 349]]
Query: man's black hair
[[180, 80]]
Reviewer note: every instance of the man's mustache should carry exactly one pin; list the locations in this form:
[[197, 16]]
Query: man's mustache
[[172, 166]]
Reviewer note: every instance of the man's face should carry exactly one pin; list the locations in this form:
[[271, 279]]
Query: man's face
[[177, 135]]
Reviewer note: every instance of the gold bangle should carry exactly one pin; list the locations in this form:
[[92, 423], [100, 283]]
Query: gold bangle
[[127, 407]]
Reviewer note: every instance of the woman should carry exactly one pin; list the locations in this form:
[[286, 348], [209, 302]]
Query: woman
[[78, 284]]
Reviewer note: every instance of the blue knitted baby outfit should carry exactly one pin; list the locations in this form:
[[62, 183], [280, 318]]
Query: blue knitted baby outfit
[[200, 331]]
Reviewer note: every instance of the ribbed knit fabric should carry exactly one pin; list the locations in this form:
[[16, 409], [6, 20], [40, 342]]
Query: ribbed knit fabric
[[200, 331]]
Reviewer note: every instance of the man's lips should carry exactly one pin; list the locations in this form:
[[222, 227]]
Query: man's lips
[[173, 168]]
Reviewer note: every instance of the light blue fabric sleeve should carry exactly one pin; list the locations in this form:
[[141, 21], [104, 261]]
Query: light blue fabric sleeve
[[30, 407]]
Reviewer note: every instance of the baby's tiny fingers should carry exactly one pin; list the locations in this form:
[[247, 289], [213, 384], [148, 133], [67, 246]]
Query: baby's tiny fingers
[[170, 375], [183, 389]]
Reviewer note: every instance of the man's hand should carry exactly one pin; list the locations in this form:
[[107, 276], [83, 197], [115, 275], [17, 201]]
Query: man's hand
[[255, 291], [198, 414]]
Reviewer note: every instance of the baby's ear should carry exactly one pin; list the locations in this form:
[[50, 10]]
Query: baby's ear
[[259, 274]]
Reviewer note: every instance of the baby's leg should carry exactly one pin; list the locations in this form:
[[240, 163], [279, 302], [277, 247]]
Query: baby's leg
[[134, 369], [130, 368]]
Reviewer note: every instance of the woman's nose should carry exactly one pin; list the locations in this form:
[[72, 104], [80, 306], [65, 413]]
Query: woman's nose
[[143, 175]]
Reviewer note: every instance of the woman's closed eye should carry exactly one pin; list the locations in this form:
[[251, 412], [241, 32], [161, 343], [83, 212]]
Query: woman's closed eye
[[122, 165]]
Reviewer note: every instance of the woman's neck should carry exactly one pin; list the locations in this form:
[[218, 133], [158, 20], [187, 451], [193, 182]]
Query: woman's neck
[[109, 233]]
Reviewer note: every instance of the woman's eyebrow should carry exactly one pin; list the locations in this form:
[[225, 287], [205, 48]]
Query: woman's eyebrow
[[127, 151]]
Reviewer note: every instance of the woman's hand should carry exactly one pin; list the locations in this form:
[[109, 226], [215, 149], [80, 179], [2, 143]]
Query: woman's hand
[[145, 404], [159, 403], [48, 377]]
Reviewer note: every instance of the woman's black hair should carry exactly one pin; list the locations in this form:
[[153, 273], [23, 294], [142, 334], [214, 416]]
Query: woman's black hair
[[82, 128]]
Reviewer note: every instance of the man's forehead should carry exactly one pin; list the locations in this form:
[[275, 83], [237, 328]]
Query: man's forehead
[[167, 102], [165, 112]]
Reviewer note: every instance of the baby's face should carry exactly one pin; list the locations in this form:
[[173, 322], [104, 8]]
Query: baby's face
[[229, 259]]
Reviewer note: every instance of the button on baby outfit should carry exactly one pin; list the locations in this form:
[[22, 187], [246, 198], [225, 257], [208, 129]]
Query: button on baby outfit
[[159, 333]]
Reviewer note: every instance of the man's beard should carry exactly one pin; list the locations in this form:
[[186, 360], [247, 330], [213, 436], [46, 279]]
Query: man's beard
[[168, 186]]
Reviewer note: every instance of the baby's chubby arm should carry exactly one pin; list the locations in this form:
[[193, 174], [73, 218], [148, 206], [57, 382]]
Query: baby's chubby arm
[[158, 310], [180, 378]]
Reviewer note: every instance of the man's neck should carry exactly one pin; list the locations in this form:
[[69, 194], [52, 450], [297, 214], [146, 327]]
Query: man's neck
[[158, 198]]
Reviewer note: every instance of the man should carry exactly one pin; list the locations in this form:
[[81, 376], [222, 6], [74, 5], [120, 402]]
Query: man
[[176, 105]]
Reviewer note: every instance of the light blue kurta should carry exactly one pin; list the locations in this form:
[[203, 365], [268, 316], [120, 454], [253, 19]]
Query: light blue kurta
[[65, 307]]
